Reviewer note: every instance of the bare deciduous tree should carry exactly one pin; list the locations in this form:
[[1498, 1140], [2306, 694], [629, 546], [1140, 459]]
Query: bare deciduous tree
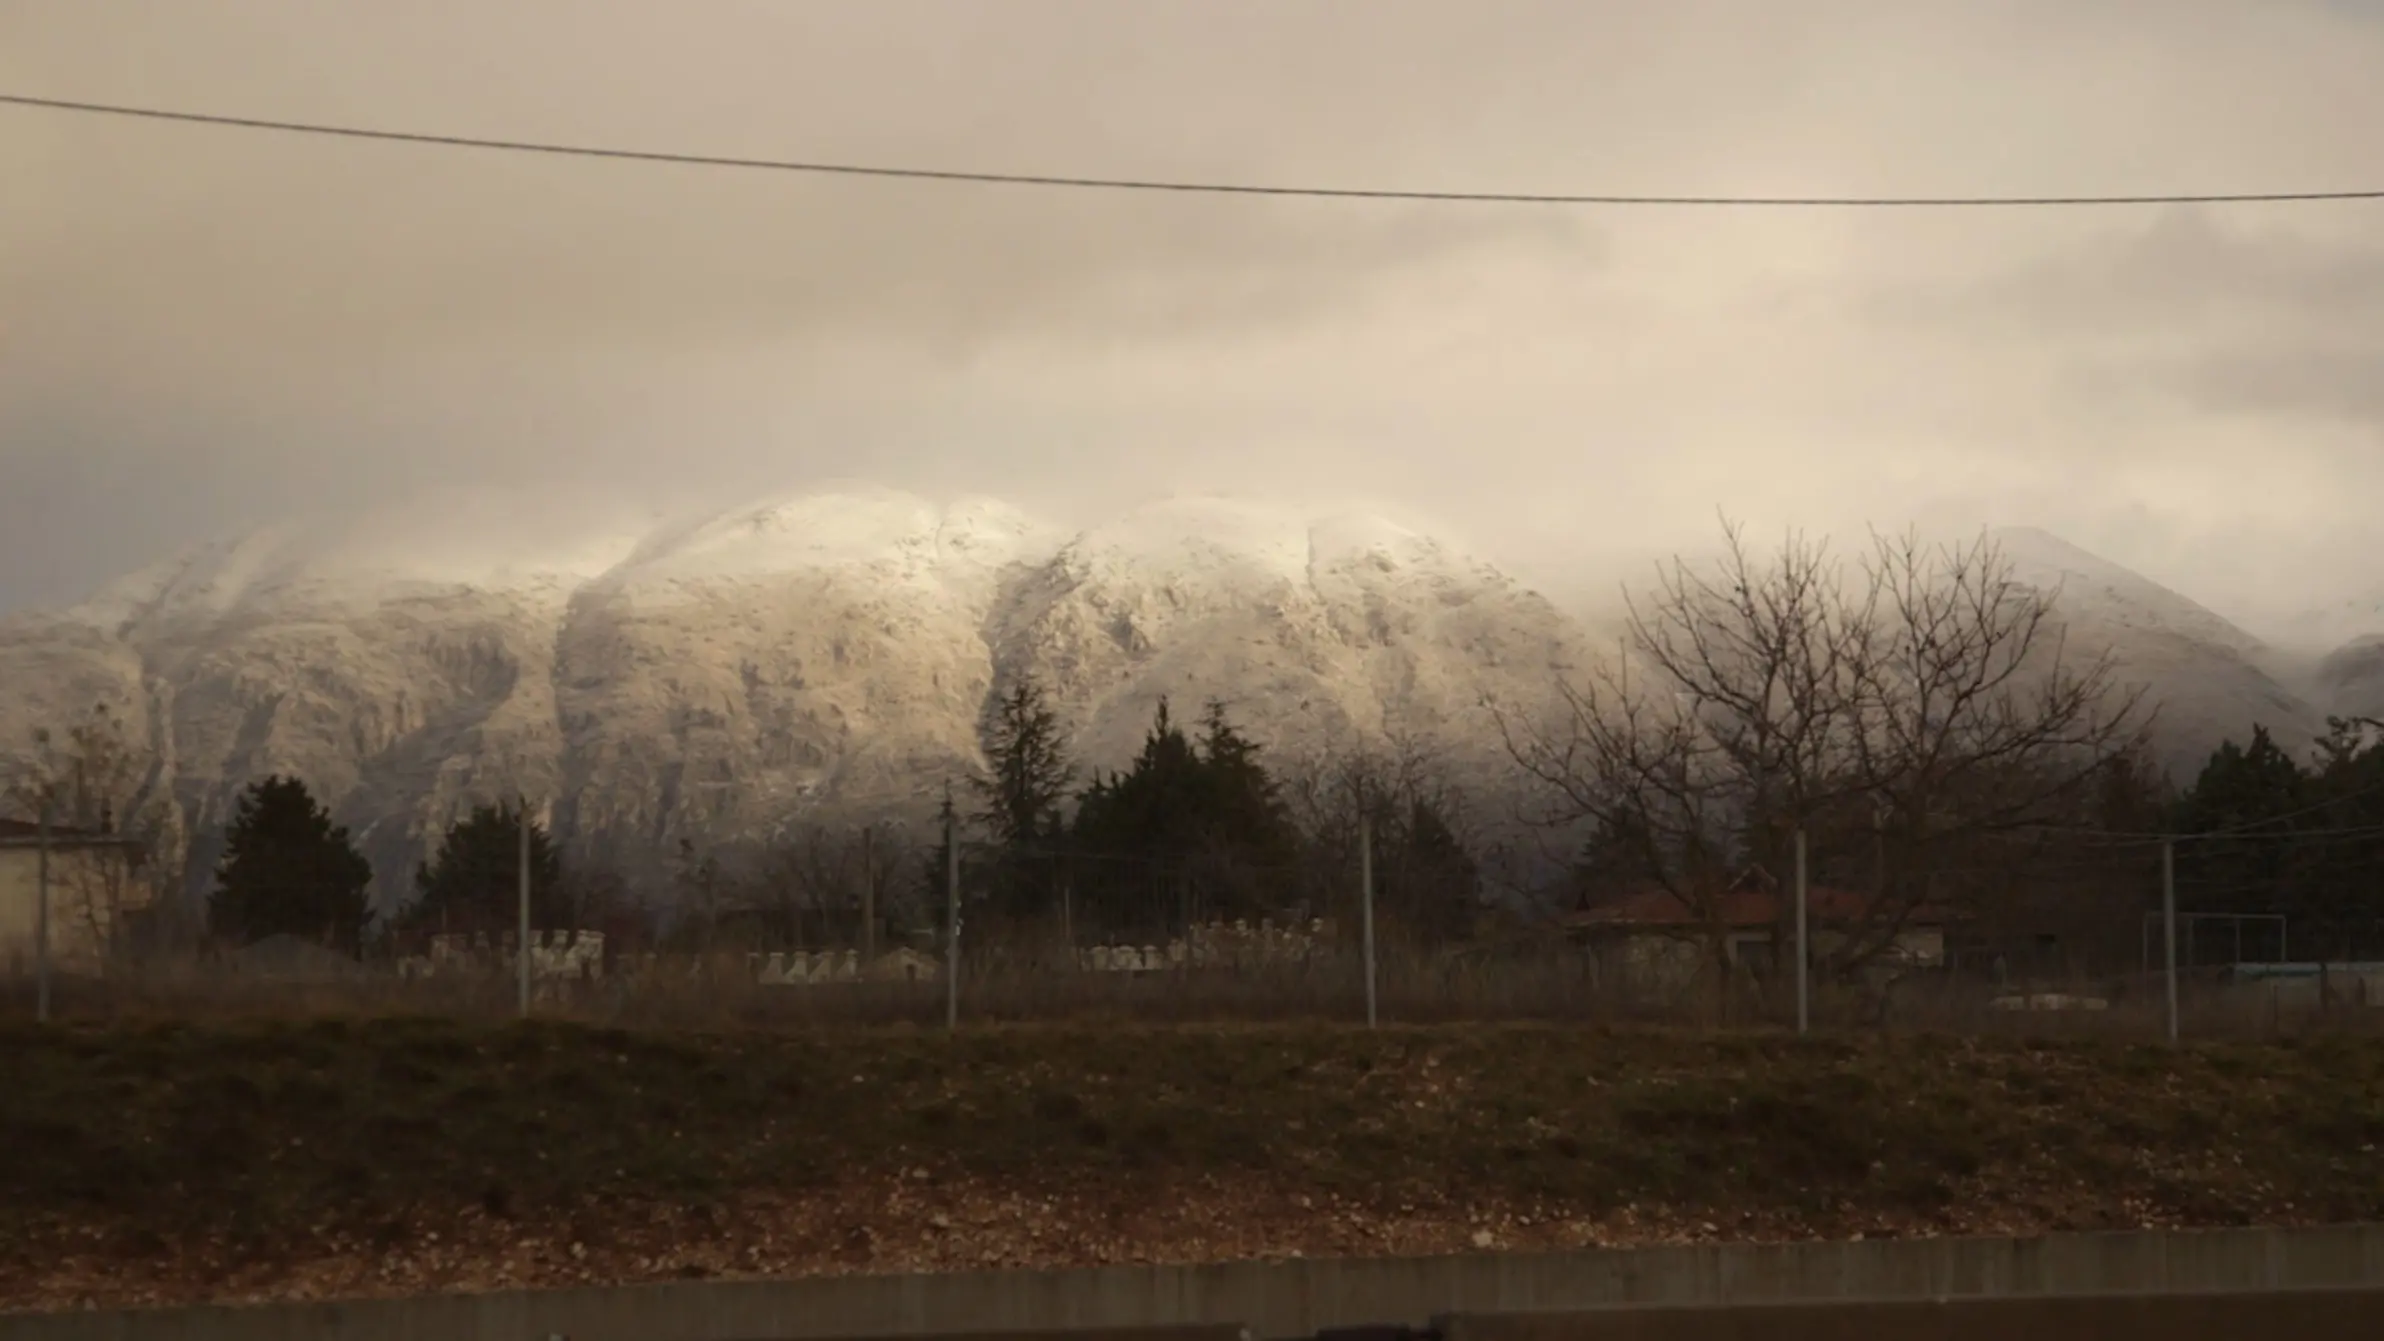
[[1903, 706], [1428, 840], [832, 884], [94, 778]]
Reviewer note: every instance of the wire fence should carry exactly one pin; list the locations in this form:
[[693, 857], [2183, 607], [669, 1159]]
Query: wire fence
[[2271, 933], [1486, 985]]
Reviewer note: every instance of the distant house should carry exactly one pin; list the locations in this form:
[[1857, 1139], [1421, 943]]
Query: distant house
[[94, 893], [1653, 938]]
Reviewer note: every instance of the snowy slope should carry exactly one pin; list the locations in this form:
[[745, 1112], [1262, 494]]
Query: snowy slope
[[1319, 633], [822, 652], [830, 655], [2209, 679], [2352, 678], [401, 662]]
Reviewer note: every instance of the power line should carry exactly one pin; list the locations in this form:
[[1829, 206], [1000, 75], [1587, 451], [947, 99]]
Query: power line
[[1176, 187]]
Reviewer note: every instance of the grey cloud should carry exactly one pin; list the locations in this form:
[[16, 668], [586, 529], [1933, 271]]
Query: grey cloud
[[2195, 309], [2336, 381], [482, 251], [2185, 266], [208, 327]]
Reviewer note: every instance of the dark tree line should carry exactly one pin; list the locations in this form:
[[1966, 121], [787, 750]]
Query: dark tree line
[[2261, 832], [1197, 828], [287, 869]]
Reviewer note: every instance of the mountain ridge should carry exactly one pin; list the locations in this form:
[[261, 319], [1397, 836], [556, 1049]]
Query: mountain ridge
[[827, 654]]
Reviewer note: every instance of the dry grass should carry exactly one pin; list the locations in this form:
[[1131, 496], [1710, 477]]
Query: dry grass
[[286, 1142], [1489, 986]]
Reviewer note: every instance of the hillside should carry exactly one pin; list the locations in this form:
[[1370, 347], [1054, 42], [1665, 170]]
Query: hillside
[[2209, 679], [822, 657], [2352, 678], [176, 1162], [827, 656]]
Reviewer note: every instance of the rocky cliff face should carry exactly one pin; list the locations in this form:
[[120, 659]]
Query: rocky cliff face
[[829, 656], [820, 657]]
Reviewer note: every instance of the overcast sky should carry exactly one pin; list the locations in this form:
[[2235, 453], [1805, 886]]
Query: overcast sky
[[202, 329]]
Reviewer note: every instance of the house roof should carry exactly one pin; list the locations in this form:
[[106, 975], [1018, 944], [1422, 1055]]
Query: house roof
[[1753, 899], [63, 837]]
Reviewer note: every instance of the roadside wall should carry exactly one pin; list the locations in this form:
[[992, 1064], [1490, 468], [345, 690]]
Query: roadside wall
[[1288, 1299], [2302, 1315]]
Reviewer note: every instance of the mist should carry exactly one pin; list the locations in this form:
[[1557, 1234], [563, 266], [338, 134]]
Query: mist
[[210, 329]]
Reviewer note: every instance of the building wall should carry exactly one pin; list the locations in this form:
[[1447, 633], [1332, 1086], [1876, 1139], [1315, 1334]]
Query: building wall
[[85, 883], [1913, 947], [1659, 961], [1652, 962]]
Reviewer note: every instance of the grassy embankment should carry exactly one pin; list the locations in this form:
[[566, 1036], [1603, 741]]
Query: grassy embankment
[[256, 1148]]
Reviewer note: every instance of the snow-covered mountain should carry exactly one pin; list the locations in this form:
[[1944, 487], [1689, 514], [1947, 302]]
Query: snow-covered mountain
[[817, 657], [2351, 678], [830, 655], [2208, 679]]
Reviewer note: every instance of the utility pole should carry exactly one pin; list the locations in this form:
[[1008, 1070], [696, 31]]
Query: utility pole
[[41, 919], [525, 907], [1366, 906], [1804, 954], [868, 896], [2169, 926], [951, 917]]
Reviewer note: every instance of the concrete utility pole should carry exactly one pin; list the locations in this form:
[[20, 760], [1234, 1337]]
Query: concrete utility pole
[[868, 896], [524, 945], [1804, 953], [2169, 927], [951, 917], [41, 919], [1366, 906]]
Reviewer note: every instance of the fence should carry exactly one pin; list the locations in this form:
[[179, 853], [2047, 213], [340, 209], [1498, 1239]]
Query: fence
[[1276, 974]]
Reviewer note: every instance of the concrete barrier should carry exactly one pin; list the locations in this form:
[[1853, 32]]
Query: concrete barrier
[[1227, 1332], [2303, 1315], [1288, 1299]]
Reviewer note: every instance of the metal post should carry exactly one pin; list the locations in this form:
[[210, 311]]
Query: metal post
[[41, 921], [2169, 926], [868, 896], [1804, 954], [951, 919], [524, 945], [1366, 907]]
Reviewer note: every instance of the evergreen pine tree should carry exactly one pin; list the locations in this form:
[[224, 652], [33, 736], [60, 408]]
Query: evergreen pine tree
[[2244, 791], [1028, 776], [288, 870], [1022, 794], [1189, 831], [473, 884], [1438, 884]]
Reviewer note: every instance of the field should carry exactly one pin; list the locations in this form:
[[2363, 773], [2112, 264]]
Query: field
[[155, 1161]]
